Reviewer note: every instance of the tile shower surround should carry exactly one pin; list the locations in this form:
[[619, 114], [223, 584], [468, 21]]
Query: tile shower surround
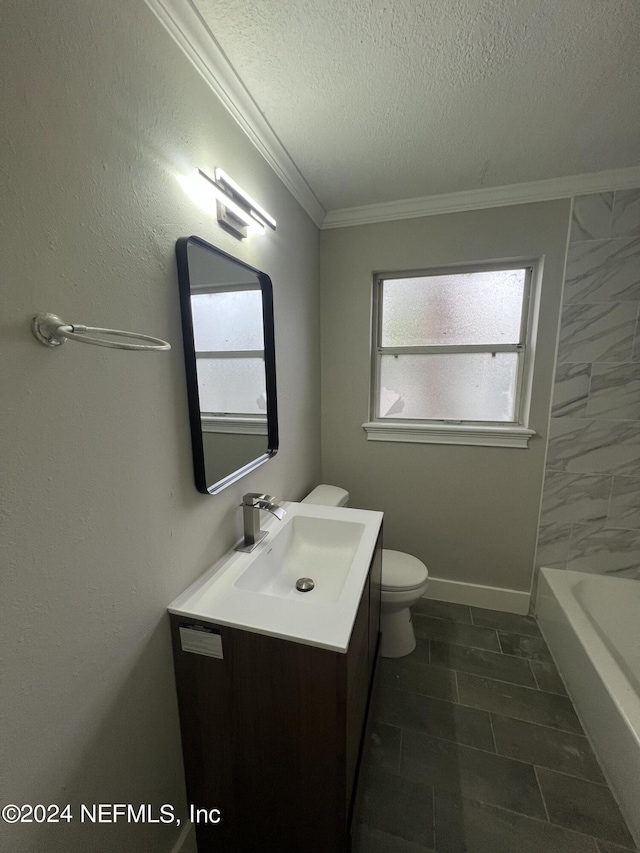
[[590, 519], [476, 747]]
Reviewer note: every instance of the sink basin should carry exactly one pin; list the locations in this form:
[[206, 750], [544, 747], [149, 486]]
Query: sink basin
[[257, 591], [318, 548]]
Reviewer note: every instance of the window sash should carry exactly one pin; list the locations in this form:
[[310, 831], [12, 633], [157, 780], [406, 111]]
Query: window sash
[[519, 347], [215, 355]]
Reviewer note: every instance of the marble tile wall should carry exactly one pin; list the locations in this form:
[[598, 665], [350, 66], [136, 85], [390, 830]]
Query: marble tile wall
[[590, 519]]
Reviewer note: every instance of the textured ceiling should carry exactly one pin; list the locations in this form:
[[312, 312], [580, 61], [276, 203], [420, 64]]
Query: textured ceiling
[[378, 100]]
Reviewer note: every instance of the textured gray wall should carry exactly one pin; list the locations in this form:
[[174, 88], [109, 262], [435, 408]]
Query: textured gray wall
[[470, 513], [590, 520], [102, 525]]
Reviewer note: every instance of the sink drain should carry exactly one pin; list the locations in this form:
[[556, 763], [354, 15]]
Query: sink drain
[[305, 584]]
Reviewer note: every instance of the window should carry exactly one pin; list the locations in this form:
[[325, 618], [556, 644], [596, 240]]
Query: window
[[452, 356], [228, 337]]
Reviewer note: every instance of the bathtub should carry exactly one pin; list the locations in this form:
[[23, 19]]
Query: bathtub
[[592, 626]]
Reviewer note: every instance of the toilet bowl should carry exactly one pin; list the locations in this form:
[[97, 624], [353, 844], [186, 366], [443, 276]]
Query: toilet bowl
[[404, 581]]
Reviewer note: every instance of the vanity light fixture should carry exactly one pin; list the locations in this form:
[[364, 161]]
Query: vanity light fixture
[[243, 198], [236, 211]]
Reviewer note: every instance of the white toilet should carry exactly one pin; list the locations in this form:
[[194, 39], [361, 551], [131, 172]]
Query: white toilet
[[404, 581]]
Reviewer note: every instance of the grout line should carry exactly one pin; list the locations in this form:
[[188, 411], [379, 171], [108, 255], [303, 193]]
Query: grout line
[[613, 210], [520, 720], [576, 832], [519, 633], [416, 612], [529, 722], [489, 677], [467, 646], [609, 501], [493, 734], [457, 691], [400, 753], [485, 711], [512, 683], [604, 784], [505, 757], [517, 761], [544, 802], [479, 749]]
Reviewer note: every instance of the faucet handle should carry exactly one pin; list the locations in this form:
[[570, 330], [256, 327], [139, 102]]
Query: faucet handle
[[253, 498]]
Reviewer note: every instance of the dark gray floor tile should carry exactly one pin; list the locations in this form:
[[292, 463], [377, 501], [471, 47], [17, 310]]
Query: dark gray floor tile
[[426, 627], [434, 717], [552, 748], [583, 806], [468, 826], [382, 747], [409, 673], [605, 847], [367, 840], [523, 646], [522, 703], [505, 621], [397, 805], [421, 651], [442, 610], [482, 662], [547, 677], [467, 772]]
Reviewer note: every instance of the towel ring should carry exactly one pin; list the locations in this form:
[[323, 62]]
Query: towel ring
[[50, 330]]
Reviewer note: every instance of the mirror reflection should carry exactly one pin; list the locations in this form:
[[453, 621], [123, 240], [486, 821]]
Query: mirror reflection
[[228, 333]]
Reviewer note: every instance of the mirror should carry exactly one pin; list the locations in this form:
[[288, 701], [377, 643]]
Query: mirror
[[227, 324]]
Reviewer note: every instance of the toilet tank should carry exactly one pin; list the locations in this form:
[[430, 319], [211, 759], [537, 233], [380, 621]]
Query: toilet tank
[[327, 496]]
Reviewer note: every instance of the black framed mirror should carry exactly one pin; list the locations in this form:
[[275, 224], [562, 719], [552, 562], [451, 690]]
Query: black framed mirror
[[229, 349]]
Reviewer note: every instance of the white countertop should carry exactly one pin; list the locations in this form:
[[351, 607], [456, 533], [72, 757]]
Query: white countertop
[[214, 597]]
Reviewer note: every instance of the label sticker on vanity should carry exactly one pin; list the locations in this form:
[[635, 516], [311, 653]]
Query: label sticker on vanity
[[201, 641]]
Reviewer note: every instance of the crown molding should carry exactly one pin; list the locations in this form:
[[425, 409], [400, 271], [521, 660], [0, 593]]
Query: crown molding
[[196, 41], [547, 190]]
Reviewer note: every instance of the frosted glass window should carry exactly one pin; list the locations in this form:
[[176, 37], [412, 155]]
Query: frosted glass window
[[444, 310], [230, 320], [451, 346], [448, 386], [232, 385]]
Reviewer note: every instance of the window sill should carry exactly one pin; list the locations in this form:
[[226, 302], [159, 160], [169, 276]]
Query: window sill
[[479, 435]]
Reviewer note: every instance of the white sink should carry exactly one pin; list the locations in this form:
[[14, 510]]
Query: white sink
[[257, 592], [318, 548]]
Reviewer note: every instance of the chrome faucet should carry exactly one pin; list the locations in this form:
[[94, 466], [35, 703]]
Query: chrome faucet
[[251, 506]]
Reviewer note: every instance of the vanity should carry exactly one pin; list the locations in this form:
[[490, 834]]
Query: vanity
[[274, 684]]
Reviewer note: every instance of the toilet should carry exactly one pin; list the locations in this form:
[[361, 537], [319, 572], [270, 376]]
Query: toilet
[[404, 581]]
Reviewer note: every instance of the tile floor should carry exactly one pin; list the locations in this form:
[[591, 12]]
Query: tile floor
[[476, 747]]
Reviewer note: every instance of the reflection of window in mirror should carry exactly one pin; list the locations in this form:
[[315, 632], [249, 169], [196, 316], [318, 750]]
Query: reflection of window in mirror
[[229, 343]]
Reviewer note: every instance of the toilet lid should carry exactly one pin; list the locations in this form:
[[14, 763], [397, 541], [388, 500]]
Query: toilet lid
[[402, 571]]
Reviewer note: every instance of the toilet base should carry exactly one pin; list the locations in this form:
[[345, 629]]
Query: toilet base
[[398, 638]]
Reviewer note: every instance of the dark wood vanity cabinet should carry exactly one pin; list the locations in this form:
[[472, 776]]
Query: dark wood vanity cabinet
[[272, 733]]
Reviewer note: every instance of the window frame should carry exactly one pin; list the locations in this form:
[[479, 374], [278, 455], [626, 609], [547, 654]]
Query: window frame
[[514, 433]]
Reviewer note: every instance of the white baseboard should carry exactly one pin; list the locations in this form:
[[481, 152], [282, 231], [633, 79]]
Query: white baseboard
[[182, 838], [477, 595]]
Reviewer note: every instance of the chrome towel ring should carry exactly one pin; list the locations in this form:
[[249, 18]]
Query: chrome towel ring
[[50, 330]]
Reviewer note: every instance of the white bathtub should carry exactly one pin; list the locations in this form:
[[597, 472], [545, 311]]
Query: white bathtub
[[592, 626]]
